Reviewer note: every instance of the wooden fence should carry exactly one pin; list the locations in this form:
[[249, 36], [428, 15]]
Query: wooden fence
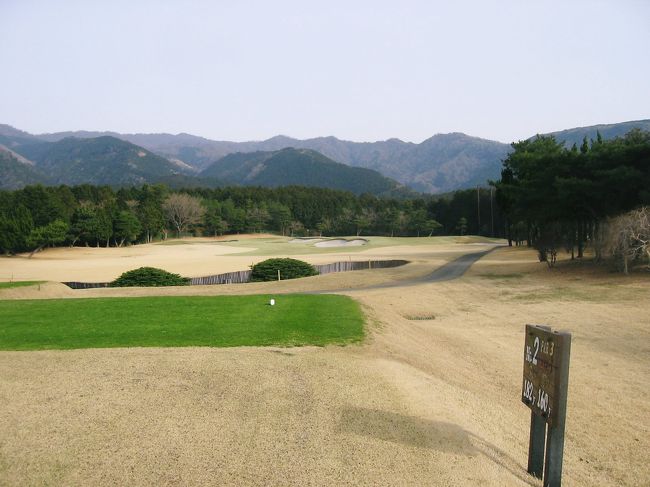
[[358, 265], [227, 278], [245, 276], [86, 285]]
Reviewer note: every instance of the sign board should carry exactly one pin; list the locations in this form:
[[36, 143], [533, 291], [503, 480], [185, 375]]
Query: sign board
[[544, 391], [543, 353]]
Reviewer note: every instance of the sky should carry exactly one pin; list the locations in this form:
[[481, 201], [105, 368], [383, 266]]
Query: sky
[[358, 70]]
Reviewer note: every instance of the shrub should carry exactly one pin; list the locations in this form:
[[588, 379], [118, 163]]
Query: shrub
[[289, 269], [149, 277]]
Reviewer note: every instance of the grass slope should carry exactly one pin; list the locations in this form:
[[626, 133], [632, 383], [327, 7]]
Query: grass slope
[[221, 321]]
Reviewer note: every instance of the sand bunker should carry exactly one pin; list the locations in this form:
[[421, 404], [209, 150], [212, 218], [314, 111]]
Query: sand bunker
[[341, 242], [331, 242]]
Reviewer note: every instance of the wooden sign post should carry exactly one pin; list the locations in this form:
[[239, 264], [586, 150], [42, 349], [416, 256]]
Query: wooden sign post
[[544, 391]]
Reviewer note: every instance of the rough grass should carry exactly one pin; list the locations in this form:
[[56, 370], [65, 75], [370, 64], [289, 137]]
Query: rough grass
[[220, 321], [8, 285]]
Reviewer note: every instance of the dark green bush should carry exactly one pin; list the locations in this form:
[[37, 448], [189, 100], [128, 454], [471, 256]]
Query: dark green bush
[[289, 269], [149, 277]]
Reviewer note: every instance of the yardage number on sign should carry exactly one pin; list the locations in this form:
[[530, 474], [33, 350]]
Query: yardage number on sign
[[542, 352]]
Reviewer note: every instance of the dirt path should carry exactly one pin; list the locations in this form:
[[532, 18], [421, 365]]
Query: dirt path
[[431, 397]]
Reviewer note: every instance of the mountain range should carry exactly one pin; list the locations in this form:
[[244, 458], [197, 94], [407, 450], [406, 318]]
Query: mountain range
[[108, 160], [442, 163]]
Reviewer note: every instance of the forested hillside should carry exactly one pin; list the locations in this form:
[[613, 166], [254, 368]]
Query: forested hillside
[[16, 173], [100, 160], [302, 167]]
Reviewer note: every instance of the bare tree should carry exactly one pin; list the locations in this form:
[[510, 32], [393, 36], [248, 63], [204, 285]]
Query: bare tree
[[628, 236], [296, 226], [257, 217], [183, 210]]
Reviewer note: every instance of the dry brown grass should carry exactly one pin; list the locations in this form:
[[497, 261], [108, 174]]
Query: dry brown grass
[[422, 402]]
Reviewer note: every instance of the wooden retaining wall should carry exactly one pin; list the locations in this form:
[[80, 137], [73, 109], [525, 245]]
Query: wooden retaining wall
[[245, 276]]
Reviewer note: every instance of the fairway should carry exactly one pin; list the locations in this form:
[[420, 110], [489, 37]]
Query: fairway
[[219, 321]]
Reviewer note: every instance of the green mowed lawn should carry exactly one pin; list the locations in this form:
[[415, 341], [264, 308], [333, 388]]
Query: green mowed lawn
[[8, 285], [172, 321]]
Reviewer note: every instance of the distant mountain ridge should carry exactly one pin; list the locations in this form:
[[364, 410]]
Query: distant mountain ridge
[[441, 163], [304, 167], [607, 131], [107, 160]]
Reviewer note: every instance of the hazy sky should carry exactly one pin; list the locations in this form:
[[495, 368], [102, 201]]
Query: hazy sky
[[359, 70]]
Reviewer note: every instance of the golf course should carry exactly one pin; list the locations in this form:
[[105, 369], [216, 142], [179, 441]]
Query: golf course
[[400, 376]]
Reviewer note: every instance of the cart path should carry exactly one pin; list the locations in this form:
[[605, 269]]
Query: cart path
[[451, 270], [447, 272]]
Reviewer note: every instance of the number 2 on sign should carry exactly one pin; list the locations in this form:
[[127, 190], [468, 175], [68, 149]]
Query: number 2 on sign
[[536, 350]]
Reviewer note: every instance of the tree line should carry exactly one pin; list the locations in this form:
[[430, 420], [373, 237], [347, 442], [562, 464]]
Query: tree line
[[38, 216], [554, 197]]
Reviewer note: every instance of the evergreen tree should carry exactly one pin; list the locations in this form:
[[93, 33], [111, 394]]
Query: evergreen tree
[[126, 228], [280, 216], [51, 234]]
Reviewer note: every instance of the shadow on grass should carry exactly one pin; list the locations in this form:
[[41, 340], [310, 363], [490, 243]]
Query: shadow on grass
[[424, 433]]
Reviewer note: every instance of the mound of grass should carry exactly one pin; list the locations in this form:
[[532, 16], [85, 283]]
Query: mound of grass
[[7, 285], [268, 269], [149, 277], [173, 321], [514, 275], [421, 317]]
